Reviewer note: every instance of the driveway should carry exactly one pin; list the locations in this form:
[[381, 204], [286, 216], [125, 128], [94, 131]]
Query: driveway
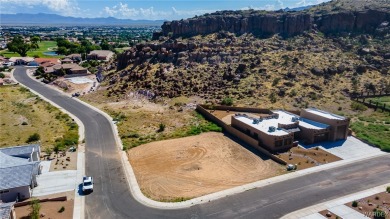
[[351, 148], [55, 182]]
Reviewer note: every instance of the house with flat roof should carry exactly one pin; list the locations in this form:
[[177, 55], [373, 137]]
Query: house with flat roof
[[280, 130], [103, 55], [19, 167]]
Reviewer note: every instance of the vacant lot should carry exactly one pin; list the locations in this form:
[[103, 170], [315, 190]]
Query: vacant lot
[[373, 128], [44, 46], [140, 121], [179, 169], [23, 114]]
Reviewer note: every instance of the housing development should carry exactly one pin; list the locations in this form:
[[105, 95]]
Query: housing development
[[277, 110]]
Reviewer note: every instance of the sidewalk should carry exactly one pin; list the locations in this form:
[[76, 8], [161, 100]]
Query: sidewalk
[[336, 206]]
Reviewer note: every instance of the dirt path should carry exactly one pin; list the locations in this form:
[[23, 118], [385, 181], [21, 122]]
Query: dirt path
[[198, 165]]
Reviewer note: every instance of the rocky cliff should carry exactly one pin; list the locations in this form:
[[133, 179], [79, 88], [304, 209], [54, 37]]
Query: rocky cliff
[[262, 23]]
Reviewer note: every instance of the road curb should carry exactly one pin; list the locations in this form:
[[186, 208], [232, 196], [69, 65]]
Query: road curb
[[335, 202], [79, 202]]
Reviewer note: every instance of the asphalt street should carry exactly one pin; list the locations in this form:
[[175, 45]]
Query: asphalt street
[[112, 198]]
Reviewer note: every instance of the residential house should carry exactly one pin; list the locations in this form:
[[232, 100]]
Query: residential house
[[278, 131], [7, 210], [21, 60], [47, 62], [74, 57], [103, 55], [70, 68], [19, 166], [66, 61]]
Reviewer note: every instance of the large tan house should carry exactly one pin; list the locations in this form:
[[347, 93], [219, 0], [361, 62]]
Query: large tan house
[[280, 130], [103, 55]]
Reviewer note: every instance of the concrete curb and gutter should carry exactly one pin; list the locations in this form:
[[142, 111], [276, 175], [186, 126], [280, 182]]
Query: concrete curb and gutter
[[335, 202], [140, 197]]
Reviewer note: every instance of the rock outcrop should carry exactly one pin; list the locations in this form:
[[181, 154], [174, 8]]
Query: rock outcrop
[[286, 24]]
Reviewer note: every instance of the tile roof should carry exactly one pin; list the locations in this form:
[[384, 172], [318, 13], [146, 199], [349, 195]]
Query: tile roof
[[5, 209], [42, 60], [18, 176], [9, 161], [20, 150]]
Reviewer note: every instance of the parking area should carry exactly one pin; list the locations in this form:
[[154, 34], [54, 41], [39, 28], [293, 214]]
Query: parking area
[[351, 148]]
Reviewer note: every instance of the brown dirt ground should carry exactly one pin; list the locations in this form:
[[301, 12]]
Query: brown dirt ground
[[334, 216], [381, 199], [306, 158], [197, 165], [50, 209]]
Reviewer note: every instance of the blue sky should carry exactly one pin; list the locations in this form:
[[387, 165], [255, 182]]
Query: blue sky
[[145, 9]]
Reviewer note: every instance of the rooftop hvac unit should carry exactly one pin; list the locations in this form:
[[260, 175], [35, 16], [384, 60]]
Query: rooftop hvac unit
[[276, 116], [271, 129], [294, 119], [256, 121]]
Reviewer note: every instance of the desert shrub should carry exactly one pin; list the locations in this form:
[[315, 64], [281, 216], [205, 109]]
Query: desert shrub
[[34, 137], [379, 214], [2, 75], [272, 97], [275, 82], [388, 189], [62, 209], [354, 204], [358, 106], [228, 101], [23, 89], [161, 127]]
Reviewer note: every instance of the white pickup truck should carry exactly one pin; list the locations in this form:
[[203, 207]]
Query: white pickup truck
[[87, 184]]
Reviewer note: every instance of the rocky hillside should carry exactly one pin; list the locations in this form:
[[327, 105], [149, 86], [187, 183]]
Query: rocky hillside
[[295, 71], [334, 17]]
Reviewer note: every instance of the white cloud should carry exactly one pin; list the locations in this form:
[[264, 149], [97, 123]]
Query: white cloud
[[281, 4], [64, 7], [123, 11], [267, 7]]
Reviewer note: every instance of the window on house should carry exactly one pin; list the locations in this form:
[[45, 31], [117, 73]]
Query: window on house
[[279, 143], [255, 136], [4, 191]]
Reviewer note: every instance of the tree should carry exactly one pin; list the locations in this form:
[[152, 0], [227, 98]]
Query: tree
[[228, 101], [34, 137], [19, 46], [35, 208], [34, 42]]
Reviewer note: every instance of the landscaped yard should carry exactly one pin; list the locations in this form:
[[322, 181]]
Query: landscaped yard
[[44, 46], [24, 117]]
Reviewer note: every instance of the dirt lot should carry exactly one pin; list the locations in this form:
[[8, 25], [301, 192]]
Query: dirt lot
[[306, 158], [50, 209], [378, 201], [179, 169], [62, 161]]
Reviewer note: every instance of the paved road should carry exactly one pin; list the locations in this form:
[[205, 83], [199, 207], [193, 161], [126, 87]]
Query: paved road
[[112, 197]]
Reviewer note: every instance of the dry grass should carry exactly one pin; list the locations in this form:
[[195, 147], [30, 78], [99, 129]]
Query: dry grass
[[23, 113]]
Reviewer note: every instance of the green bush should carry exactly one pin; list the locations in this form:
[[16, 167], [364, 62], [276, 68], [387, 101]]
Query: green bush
[[379, 214], [355, 204], [161, 127], [62, 209], [34, 137], [2, 75], [228, 101], [388, 189], [35, 207], [358, 106]]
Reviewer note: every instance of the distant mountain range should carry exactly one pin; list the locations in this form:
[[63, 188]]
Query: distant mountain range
[[54, 19]]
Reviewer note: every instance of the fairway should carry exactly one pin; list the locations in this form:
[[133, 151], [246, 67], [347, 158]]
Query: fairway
[[44, 46]]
